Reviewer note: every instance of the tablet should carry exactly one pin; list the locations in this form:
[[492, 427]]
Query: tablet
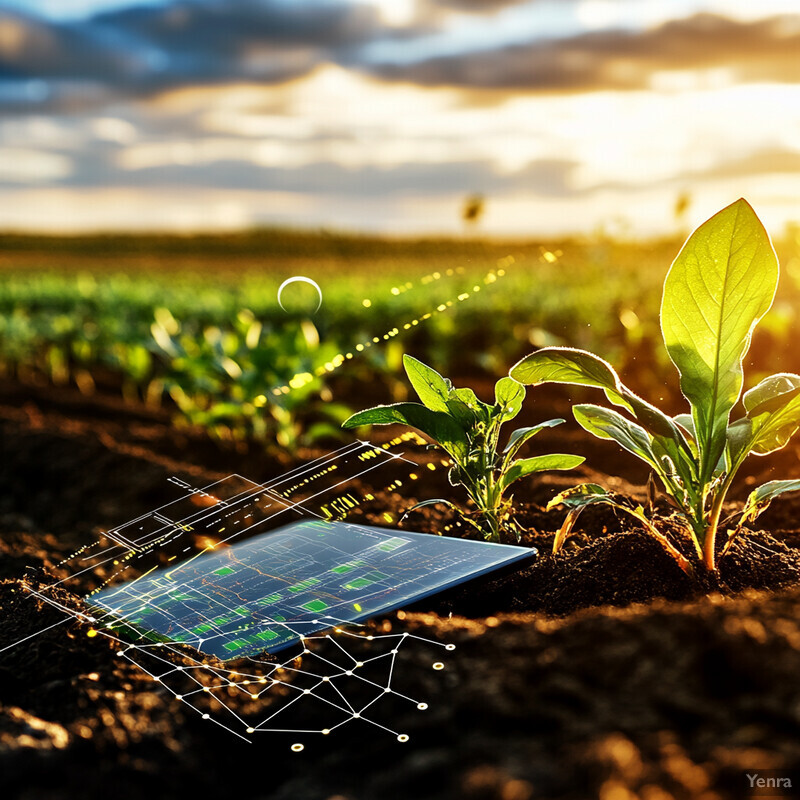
[[270, 591]]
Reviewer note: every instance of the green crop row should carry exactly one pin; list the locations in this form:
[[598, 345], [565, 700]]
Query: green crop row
[[197, 324]]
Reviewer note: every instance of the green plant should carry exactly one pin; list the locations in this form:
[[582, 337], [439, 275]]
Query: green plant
[[719, 286], [247, 380], [469, 431]]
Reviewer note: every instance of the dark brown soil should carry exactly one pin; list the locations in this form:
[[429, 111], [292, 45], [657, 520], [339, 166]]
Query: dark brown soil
[[600, 672]]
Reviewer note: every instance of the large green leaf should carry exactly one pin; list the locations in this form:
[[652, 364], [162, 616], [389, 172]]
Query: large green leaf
[[771, 394], [527, 466], [568, 365], [608, 424], [722, 282], [760, 498], [429, 385], [773, 407], [579, 367], [509, 395], [438, 425], [521, 435]]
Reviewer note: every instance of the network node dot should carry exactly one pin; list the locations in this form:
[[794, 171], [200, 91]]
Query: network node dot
[[206, 716], [438, 665], [325, 678], [206, 689], [356, 715], [349, 672], [325, 731], [254, 696], [422, 706], [306, 691], [120, 652], [450, 647], [251, 730], [360, 664], [297, 748], [403, 737], [387, 690], [179, 697]]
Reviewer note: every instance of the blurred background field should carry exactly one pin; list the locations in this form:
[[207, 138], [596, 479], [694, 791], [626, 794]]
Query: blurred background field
[[165, 165], [193, 325]]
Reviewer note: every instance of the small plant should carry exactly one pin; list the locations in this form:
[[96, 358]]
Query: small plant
[[469, 431], [720, 285], [225, 379]]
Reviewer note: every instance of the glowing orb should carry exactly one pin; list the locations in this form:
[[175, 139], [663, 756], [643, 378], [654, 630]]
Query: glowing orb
[[300, 279]]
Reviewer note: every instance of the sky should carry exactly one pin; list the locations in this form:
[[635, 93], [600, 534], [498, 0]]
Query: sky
[[568, 116]]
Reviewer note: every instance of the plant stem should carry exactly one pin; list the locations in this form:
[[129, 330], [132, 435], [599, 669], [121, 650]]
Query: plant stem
[[709, 543]]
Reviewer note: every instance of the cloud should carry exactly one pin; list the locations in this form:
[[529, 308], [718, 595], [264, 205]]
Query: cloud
[[547, 177], [143, 50], [765, 50]]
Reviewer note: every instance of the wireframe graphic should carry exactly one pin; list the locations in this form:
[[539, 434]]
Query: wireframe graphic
[[201, 593]]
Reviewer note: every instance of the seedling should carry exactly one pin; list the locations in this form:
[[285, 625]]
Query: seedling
[[469, 431], [717, 289]]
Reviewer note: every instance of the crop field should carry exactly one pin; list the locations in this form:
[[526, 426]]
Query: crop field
[[135, 367], [195, 323]]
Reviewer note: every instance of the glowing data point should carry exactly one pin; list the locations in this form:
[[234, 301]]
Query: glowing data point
[[254, 696], [438, 665], [403, 737], [422, 706], [298, 748], [206, 716], [91, 633], [449, 647], [356, 715], [326, 731], [251, 730]]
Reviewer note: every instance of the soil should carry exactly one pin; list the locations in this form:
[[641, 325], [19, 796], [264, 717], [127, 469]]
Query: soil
[[602, 671]]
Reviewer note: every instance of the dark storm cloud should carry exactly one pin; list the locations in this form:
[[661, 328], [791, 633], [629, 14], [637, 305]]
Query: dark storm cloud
[[229, 27], [146, 49], [616, 59]]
